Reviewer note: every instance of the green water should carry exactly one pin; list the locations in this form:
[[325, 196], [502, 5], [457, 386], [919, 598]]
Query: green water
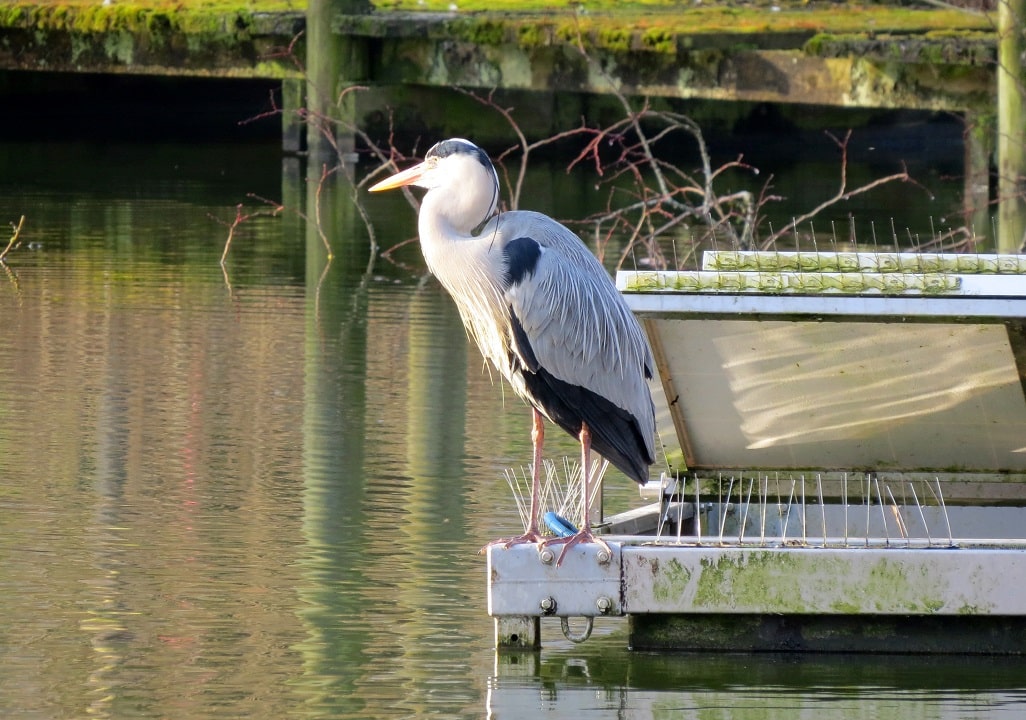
[[260, 492]]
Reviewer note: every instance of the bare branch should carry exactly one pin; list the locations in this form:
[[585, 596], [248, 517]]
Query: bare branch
[[842, 193], [523, 145], [12, 243]]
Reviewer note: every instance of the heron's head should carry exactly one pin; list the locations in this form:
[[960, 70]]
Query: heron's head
[[461, 176]]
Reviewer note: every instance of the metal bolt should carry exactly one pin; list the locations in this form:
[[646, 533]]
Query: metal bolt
[[604, 604], [548, 605], [546, 556], [603, 557]]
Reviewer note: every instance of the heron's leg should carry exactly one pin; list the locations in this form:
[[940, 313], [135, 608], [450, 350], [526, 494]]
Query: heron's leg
[[585, 438], [531, 534], [537, 439], [584, 534]]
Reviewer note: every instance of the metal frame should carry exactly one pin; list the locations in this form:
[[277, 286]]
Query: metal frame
[[906, 576]]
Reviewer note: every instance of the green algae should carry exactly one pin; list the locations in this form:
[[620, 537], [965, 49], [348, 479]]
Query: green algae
[[670, 581], [654, 23], [940, 47], [646, 42], [652, 26], [214, 37], [752, 581], [482, 32], [617, 39], [659, 40], [138, 18], [530, 35], [764, 580]]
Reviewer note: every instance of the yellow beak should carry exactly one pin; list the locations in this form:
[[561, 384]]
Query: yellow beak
[[406, 177]]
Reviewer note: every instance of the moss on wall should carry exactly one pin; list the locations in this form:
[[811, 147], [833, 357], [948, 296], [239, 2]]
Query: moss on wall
[[653, 25]]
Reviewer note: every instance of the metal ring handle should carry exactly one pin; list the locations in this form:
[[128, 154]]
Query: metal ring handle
[[564, 624]]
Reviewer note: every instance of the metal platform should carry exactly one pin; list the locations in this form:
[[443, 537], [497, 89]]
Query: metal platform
[[845, 464]]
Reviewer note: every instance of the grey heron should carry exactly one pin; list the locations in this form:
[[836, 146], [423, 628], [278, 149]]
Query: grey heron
[[543, 311]]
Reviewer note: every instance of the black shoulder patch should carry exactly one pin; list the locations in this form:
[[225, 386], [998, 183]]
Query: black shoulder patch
[[521, 256]]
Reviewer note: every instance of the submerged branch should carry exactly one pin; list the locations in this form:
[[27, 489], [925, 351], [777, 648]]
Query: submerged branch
[[12, 243]]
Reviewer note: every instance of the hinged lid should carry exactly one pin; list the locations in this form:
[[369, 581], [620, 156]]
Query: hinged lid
[[771, 365]]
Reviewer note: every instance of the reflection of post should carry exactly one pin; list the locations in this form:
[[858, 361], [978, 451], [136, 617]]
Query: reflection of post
[[293, 197], [334, 483], [292, 127], [332, 62], [1011, 129], [106, 604], [436, 411]]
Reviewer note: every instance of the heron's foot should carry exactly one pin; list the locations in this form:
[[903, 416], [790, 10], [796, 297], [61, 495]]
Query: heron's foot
[[531, 536], [581, 536]]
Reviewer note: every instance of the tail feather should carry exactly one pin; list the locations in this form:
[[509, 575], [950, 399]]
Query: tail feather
[[616, 435]]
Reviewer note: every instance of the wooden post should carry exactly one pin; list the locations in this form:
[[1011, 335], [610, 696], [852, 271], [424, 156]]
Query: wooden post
[[517, 633], [1011, 130], [979, 148], [332, 63], [292, 128]]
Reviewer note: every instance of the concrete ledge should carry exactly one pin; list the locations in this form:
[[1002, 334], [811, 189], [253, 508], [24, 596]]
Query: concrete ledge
[[149, 41], [918, 60]]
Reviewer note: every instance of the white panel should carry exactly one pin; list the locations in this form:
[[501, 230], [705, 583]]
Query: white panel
[[521, 583], [884, 396], [824, 581]]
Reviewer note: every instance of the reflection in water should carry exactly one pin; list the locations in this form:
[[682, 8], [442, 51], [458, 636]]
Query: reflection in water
[[103, 621], [431, 520], [268, 502], [383, 535], [709, 686], [333, 499], [334, 430]]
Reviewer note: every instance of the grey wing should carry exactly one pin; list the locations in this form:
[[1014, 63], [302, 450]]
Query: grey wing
[[578, 326]]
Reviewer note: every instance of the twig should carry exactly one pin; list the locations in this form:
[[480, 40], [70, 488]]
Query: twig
[[325, 174], [238, 220], [11, 244], [842, 193], [525, 147], [328, 127]]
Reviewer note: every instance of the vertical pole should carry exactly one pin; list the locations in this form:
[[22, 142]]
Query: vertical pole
[[333, 62], [979, 147], [292, 128], [1011, 131]]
